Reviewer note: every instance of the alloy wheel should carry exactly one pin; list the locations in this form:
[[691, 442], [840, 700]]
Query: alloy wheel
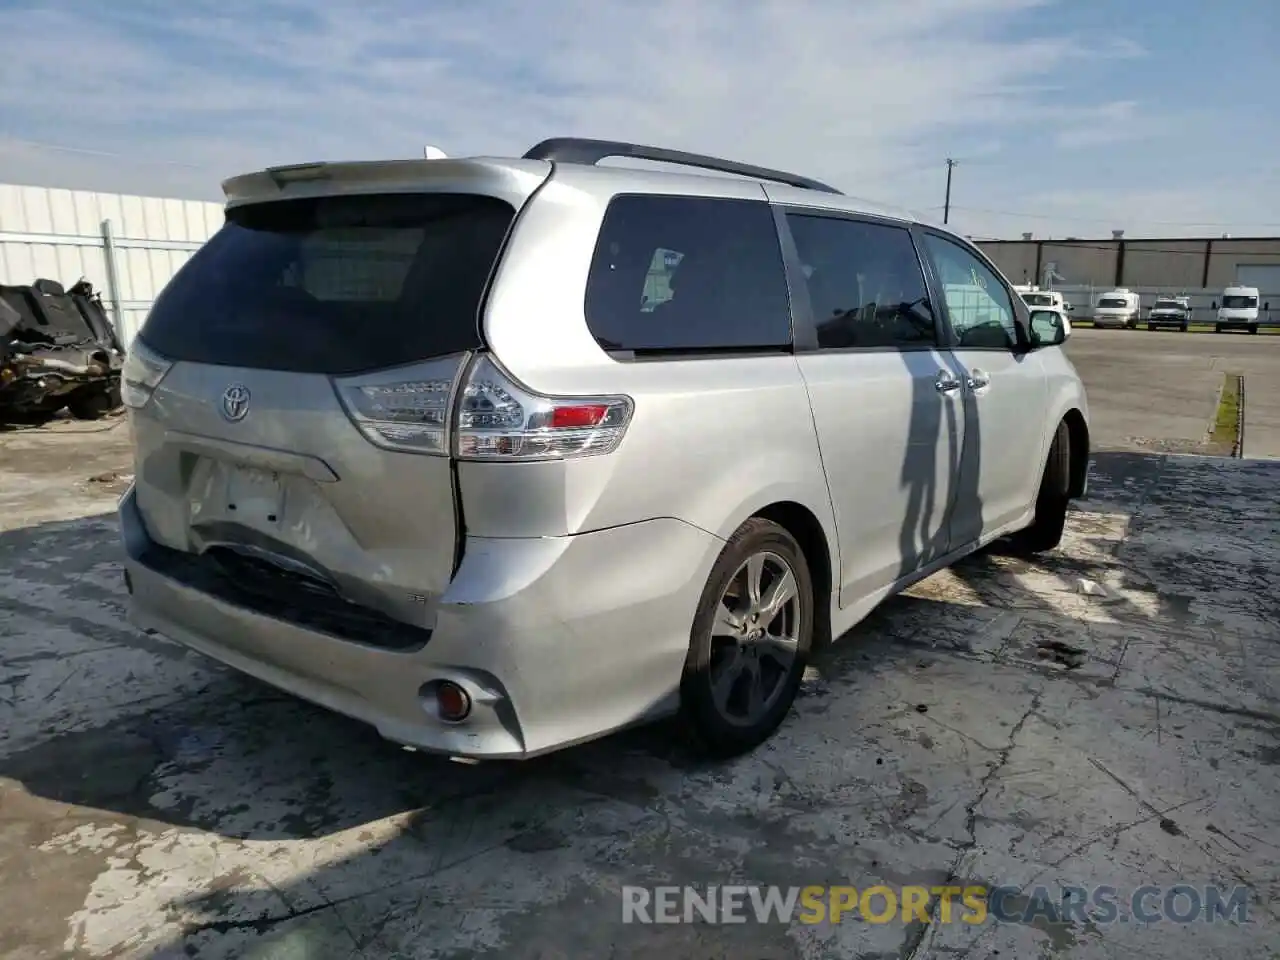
[[754, 638]]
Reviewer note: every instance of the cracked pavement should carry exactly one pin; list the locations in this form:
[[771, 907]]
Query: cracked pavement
[[1106, 715]]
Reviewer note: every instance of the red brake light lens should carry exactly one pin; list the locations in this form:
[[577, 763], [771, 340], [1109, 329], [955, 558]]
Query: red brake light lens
[[586, 415]]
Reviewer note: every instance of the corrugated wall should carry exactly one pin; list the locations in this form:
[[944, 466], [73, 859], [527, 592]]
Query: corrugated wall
[[128, 247]]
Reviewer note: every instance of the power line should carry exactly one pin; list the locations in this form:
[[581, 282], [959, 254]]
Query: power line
[[85, 151]]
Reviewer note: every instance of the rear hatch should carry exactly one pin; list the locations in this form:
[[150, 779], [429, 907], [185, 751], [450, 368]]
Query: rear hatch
[[253, 477]]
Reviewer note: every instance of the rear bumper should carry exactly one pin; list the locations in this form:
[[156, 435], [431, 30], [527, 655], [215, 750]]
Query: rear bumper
[[557, 639]]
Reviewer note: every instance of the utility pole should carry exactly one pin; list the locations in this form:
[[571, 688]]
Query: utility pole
[[946, 208]]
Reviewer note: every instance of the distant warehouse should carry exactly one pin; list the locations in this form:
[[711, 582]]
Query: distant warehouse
[[1199, 268]]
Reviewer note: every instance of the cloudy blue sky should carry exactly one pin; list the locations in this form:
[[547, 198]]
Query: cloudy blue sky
[[1068, 117]]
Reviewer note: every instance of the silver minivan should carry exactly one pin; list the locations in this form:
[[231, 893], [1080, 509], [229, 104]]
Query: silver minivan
[[503, 454]]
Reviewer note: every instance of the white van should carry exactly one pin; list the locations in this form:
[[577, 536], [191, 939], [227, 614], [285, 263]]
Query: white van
[[1119, 308], [1239, 310]]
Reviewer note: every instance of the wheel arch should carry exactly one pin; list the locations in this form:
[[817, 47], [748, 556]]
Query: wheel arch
[[801, 522], [1078, 433]]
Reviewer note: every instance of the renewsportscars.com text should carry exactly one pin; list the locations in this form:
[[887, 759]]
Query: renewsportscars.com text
[[972, 905]]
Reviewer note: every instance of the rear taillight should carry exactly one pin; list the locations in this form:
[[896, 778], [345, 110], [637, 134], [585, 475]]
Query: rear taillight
[[412, 416], [493, 418], [498, 420], [142, 372]]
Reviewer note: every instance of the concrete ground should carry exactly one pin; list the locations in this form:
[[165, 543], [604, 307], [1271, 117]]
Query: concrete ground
[[1156, 390], [1106, 716]]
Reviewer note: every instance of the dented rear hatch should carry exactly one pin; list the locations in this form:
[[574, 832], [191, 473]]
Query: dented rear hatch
[[263, 473]]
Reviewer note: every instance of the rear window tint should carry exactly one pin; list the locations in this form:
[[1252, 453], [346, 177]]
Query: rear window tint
[[865, 283], [334, 285], [674, 274]]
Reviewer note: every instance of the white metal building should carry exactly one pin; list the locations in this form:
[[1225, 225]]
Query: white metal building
[[126, 246]]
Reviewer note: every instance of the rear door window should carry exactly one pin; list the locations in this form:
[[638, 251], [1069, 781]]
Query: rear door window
[[687, 274], [334, 285], [866, 286]]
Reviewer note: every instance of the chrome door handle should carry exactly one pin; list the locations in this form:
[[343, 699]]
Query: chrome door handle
[[977, 379], [945, 382]]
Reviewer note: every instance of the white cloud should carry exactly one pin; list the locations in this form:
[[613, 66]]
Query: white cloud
[[870, 95]]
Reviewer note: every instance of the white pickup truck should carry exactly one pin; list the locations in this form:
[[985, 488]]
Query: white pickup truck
[[1170, 312]]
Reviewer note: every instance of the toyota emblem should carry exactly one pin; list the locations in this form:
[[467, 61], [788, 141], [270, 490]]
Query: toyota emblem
[[235, 402]]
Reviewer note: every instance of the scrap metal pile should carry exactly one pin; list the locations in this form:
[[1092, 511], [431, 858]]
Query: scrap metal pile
[[58, 350]]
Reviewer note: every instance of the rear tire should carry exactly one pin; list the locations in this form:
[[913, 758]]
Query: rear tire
[[742, 674], [1183, 328], [1253, 328], [1045, 532], [1151, 327], [1217, 328]]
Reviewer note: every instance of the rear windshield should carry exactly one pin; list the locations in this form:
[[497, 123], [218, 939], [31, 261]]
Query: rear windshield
[[335, 284]]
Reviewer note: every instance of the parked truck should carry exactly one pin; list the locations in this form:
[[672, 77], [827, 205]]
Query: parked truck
[[1170, 312]]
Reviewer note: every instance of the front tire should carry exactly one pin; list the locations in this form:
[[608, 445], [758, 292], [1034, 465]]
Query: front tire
[[1253, 328], [751, 638], [1045, 532]]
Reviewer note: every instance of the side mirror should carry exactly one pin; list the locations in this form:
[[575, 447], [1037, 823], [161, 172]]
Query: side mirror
[[1214, 305], [1267, 305], [1047, 329]]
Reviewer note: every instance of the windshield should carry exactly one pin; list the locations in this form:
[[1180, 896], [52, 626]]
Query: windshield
[[1037, 299], [1167, 305], [1112, 303], [1239, 303]]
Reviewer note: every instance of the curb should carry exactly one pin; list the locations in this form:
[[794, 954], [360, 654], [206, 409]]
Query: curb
[[1237, 449]]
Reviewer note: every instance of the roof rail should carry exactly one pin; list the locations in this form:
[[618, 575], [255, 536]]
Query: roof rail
[[579, 150]]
